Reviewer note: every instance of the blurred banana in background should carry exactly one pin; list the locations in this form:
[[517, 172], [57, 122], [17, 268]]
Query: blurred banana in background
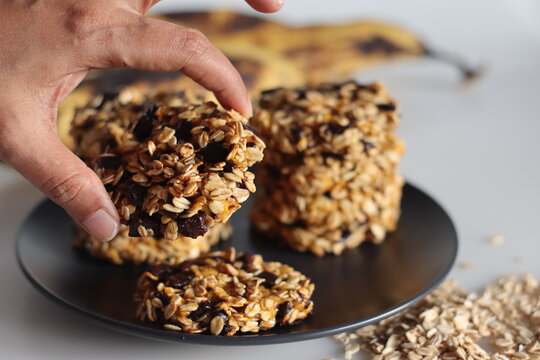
[[269, 54]]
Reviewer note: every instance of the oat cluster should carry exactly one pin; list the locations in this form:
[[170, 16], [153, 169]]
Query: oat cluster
[[123, 249], [501, 323], [171, 171], [224, 293], [329, 179]]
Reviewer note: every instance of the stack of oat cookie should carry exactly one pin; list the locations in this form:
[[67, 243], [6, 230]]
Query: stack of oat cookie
[[329, 179]]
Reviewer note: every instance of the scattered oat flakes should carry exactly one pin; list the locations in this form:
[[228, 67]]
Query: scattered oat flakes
[[451, 323]]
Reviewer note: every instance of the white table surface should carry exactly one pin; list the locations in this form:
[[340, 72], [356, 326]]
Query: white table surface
[[474, 148]]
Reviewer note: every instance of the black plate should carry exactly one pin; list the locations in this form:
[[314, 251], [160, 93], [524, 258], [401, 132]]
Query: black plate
[[355, 289]]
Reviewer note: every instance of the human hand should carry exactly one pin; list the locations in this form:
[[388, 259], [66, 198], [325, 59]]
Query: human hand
[[46, 49]]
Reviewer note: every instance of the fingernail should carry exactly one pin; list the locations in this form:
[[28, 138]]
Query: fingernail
[[249, 111], [101, 225]]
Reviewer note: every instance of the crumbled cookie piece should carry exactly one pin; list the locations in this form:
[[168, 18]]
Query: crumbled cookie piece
[[224, 293], [171, 171], [330, 178], [124, 249]]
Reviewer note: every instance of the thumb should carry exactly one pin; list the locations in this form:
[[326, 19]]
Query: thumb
[[33, 148]]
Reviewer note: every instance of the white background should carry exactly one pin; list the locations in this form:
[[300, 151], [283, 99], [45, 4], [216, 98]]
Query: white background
[[474, 148]]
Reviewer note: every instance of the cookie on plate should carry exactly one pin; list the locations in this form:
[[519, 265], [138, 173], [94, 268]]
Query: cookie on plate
[[124, 249], [224, 293]]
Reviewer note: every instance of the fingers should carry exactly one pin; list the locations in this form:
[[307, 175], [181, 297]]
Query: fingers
[[266, 6], [156, 45], [58, 173]]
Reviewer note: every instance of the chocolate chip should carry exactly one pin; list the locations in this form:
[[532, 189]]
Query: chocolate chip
[[193, 226], [214, 153], [269, 278], [183, 130], [283, 309], [386, 107], [179, 280], [109, 161], [367, 145], [203, 309], [250, 144]]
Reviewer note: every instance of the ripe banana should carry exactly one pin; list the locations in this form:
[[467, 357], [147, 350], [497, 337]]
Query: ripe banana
[[269, 54]]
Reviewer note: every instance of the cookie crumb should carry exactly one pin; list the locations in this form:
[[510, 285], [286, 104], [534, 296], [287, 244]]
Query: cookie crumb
[[466, 265], [496, 240]]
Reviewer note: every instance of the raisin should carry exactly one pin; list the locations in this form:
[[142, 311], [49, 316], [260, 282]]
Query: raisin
[[386, 107], [229, 167], [336, 128], [214, 153], [269, 278], [193, 226], [183, 130], [109, 161], [143, 129], [283, 309], [180, 280], [203, 309]]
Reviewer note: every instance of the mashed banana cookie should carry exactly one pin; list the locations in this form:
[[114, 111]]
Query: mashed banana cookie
[[330, 178], [148, 250], [224, 293], [171, 171]]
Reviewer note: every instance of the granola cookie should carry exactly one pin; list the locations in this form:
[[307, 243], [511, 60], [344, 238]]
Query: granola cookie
[[148, 250], [224, 293], [330, 178], [171, 171]]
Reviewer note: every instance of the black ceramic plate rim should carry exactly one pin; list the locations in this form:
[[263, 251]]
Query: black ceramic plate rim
[[255, 339]]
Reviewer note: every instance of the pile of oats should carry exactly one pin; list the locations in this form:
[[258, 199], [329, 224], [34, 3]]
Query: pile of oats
[[223, 293], [501, 323], [329, 179], [124, 249], [171, 171]]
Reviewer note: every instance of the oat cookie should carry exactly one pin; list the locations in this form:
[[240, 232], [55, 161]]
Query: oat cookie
[[148, 250], [224, 293], [330, 178], [171, 171]]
